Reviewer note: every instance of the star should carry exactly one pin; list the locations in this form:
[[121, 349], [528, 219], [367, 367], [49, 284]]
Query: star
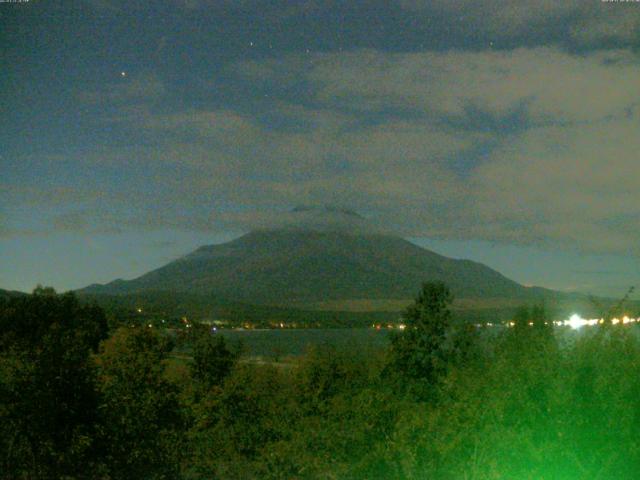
[[123, 74]]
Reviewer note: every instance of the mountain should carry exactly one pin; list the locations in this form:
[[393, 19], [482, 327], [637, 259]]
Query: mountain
[[10, 293], [304, 266]]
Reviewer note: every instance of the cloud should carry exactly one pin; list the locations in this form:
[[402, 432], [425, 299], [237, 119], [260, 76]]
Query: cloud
[[227, 148], [572, 185], [527, 146], [211, 161], [4, 224], [573, 22], [71, 221], [162, 244], [558, 180], [597, 272], [553, 85], [13, 194], [608, 23]]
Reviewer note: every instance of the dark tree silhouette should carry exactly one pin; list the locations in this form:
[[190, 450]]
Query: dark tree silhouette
[[48, 402], [140, 414], [420, 352], [212, 360]]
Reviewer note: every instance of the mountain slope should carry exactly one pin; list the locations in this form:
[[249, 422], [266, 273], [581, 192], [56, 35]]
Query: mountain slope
[[288, 266], [10, 293]]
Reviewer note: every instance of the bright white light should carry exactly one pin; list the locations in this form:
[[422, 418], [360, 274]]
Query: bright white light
[[576, 321]]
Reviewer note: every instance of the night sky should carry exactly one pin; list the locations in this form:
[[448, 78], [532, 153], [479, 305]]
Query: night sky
[[505, 131]]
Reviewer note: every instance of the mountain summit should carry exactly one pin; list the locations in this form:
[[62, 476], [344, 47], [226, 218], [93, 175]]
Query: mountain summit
[[327, 209], [324, 219]]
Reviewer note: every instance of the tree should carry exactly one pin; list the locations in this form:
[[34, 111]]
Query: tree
[[48, 402], [614, 310], [521, 320], [140, 414], [420, 351], [212, 360], [532, 331], [541, 322], [236, 423]]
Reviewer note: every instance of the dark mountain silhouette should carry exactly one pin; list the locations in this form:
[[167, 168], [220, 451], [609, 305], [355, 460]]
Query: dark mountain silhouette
[[10, 293], [291, 265]]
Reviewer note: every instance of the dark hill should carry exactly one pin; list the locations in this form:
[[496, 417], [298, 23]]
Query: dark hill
[[291, 265], [10, 293]]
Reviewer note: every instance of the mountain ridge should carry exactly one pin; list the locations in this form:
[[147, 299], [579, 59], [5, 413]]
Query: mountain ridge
[[297, 265]]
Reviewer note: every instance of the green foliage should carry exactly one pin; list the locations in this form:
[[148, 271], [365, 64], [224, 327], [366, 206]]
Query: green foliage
[[527, 402], [212, 359], [420, 351], [47, 397], [235, 425], [607, 313], [139, 412], [324, 372], [532, 333], [544, 413]]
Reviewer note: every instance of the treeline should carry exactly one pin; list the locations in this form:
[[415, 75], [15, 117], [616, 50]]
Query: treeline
[[444, 401]]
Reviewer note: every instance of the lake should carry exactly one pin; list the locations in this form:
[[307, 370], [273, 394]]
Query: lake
[[283, 342]]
